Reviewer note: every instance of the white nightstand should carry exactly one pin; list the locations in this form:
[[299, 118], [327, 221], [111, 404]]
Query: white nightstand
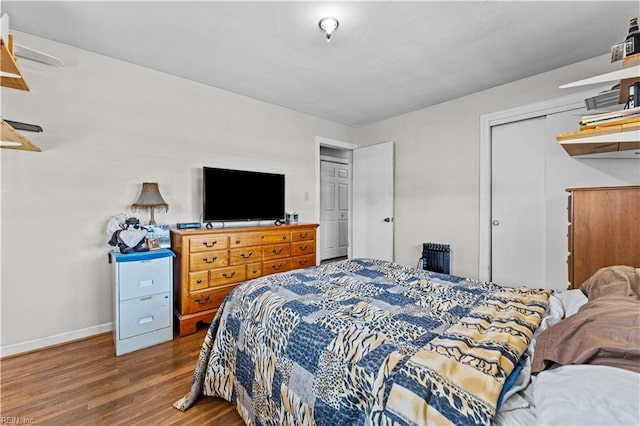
[[143, 299]]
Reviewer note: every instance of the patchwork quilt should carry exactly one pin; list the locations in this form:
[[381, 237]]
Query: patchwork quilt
[[365, 342]]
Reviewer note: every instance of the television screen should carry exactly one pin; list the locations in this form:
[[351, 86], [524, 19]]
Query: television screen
[[237, 195]]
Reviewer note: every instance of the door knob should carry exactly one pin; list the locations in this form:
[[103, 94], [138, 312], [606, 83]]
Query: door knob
[[495, 222]]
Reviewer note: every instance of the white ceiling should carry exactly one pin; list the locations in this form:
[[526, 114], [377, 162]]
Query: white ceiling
[[385, 59]]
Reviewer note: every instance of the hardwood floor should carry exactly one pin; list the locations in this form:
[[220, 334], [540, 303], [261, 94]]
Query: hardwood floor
[[84, 383]]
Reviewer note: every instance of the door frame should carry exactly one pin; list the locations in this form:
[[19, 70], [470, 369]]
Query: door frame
[[487, 121], [344, 146], [347, 163]]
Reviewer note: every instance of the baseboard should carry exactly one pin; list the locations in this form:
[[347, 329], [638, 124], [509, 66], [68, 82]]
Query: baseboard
[[45, 342]]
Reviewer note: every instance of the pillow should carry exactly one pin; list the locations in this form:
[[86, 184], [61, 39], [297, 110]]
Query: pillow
[[587, 395], [613, 281], [571, 300], [604, 331]]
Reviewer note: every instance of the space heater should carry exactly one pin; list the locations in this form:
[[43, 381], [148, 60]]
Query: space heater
[[436, 257]]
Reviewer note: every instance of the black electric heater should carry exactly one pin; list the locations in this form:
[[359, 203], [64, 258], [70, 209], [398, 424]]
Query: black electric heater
[[436, 257]]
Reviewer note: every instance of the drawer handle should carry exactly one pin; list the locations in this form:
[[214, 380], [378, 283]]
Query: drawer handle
[[246, 256], [213, 243], [145, 320], [199, 281], [213, 259], [145, 283], [303, 262], [276, 267], [255, 271], [237, 241], [224, 274], [301, 235], [274, 251], [302, 248], [284, 237], [202, 301]]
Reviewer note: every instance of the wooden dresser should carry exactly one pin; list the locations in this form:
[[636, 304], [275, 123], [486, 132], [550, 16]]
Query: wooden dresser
[[604, 230], [210, 263]]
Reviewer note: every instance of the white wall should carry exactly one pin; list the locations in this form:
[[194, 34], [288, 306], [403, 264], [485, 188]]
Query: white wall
[[109, 126], [437, 162]]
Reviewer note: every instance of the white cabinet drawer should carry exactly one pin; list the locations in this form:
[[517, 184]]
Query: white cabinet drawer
[[144, 277], [144, 314]]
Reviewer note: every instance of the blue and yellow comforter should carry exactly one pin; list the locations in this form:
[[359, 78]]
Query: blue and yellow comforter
[[365, 342]]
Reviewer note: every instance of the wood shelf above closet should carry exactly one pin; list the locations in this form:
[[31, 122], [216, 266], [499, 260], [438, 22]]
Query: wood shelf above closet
[[622, 141], [11, 76]]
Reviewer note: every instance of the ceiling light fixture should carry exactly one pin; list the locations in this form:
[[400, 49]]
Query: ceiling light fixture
[[328, 25]]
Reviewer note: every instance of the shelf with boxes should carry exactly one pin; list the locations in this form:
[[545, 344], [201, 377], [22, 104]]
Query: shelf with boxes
[[616, 134]]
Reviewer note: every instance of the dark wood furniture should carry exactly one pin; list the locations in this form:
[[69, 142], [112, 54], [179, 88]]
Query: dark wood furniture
[[604, 230]]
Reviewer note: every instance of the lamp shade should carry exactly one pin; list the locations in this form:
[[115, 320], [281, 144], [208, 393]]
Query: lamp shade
[[150, 199]]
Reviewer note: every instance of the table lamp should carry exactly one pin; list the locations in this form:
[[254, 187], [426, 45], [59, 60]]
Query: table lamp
[[150, 199]]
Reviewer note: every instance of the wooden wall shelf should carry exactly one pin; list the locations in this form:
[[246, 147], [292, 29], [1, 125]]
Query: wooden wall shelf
[[619, 141], [11, 76], [622, 141], [9, 136]]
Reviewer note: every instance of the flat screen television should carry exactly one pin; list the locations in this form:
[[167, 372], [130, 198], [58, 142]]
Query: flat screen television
[[241, 195]]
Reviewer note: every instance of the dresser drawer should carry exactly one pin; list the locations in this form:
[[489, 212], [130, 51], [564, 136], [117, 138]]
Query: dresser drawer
[[254, 270], [198, 280], [203, 300], [208, 259], [275, 266], [241, 256], [303, 261], [197, 244], [144, 314], [303, 235], [245, 239], [302, 248], [223, 276], [276, 237], [276, 251], [144, 277]]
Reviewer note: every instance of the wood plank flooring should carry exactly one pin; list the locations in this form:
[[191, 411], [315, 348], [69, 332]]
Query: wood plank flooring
[[84, 383]]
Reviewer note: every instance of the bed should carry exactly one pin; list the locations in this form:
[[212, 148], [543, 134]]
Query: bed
[[365, 341]]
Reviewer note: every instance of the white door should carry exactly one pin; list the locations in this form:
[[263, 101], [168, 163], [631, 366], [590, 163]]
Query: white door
[[373, 180], [334, 209], [518, 203]]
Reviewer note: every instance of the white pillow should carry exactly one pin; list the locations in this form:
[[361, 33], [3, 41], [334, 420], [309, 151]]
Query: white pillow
[[571, 300], [587, 395]]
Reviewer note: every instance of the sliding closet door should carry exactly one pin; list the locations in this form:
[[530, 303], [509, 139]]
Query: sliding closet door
[[518, 203]]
